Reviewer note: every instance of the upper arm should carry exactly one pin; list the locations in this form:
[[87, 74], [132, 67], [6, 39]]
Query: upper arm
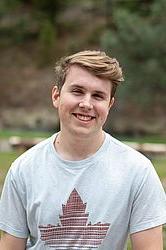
[[150, 239], [9, 242]]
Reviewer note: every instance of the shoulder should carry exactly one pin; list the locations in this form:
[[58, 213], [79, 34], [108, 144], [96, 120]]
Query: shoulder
[[127, 158], [123, 150]]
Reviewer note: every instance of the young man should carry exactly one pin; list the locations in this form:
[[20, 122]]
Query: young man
[[82, 188]]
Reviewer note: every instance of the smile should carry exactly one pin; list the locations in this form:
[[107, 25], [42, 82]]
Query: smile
[[82, 117]]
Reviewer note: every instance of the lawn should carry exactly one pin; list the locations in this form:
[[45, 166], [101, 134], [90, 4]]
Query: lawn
[[6, 158], [160, 166], [143, 139], [5, 134]]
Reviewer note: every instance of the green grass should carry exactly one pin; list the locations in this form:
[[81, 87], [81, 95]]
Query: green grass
[[143, 139], [6, 158], [5, 134], [31, 134], [160, 166]]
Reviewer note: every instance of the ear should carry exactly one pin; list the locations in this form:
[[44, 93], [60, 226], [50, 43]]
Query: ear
[[111, 102], [55, 97]]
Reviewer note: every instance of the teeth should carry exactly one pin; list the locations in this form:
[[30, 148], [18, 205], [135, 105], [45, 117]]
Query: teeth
[[84, 118]]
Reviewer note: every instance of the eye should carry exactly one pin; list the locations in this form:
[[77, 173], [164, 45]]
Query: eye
[[98, 97], [77, 91]]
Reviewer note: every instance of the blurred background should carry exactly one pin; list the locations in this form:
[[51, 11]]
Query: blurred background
[[34, 34]]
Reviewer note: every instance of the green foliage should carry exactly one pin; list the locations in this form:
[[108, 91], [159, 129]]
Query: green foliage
[[8, 5], [139, 42], [137, 37], [23, 19], [47, 42], [136, 6], [50, 8], [17, 25]]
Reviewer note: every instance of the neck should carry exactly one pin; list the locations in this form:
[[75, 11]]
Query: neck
[[76, 147]]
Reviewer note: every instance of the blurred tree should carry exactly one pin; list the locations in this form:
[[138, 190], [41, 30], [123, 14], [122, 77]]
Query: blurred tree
[[6, 5], [143, 8], [50, 8], [47, 42], [140, 44]]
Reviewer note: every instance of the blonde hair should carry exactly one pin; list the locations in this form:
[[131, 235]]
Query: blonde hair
[[97, 62]]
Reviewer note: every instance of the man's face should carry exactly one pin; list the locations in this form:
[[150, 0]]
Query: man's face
[[83, 102]]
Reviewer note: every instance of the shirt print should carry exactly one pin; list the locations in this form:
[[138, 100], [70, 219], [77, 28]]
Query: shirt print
[[74, 231]]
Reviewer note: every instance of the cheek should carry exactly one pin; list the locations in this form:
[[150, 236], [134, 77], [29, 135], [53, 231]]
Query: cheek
[[62, 109], [103, 110], [66, 105]]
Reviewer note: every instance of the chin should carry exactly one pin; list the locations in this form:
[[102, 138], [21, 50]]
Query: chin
[[84, 132]]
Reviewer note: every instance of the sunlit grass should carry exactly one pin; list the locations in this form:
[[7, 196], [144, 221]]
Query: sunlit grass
[[23, 133], [143, 139], [35, 133], [160, 166], [6, 158]]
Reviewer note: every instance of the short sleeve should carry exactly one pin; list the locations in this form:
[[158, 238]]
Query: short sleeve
[[12, 210], [149, 204]]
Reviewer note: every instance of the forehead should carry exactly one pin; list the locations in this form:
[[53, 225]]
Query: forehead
[[77, 75]]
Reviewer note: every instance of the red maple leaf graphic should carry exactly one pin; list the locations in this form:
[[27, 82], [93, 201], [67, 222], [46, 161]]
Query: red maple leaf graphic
[[74, 231]]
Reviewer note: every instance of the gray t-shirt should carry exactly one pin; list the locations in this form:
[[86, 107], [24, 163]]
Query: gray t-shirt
[[89, 204]]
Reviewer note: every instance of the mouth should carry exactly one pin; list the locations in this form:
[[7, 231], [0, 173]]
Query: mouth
[[83, 117]]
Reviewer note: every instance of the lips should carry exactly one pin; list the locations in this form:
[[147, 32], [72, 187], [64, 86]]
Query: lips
[[83, 117]]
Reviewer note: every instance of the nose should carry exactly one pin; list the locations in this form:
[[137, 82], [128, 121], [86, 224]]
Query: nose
[[85, 103]]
